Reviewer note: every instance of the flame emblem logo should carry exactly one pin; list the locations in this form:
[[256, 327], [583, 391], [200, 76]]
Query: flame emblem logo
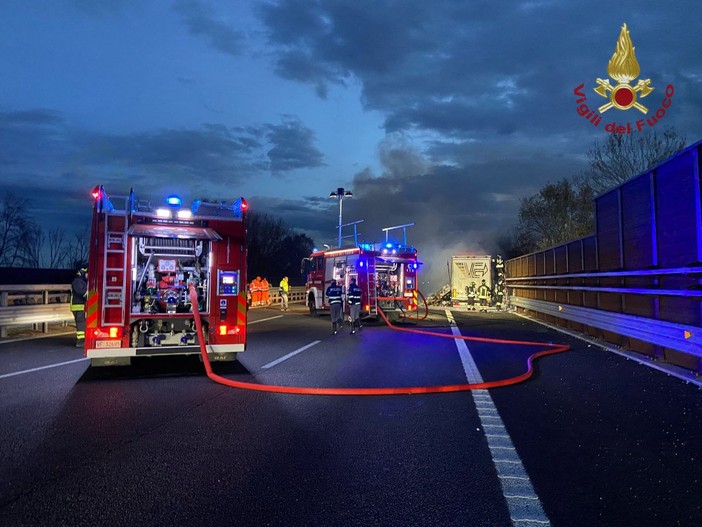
[[623, 68]]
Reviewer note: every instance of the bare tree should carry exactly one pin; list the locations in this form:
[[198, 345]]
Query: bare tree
[[14, 226], [623, 156], [56, 247], [76, 253], [31, 245]]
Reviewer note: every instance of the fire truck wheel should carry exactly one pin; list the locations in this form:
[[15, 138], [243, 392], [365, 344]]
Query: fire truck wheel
[[311, 304]]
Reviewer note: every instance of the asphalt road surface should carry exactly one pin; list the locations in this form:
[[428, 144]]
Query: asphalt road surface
[[591, 439]]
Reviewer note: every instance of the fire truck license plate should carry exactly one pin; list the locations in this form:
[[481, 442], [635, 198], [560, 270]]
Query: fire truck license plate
[[107, 343]]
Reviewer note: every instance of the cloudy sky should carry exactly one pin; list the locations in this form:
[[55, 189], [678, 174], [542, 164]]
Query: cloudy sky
[[444, 112]]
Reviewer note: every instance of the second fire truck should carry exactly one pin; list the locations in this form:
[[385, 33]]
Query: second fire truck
[[385, 272]]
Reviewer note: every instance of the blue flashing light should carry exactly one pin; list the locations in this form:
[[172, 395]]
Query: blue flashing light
[[389, 245], [174, 201]]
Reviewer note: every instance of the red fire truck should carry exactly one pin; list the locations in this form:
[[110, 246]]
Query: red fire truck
[[143, 259], [385, 272]]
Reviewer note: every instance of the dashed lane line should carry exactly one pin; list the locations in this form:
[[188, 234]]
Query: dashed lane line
[[522, 502], [289, 355], [248, 323]]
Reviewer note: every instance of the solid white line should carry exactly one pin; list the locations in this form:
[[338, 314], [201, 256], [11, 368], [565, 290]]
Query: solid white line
[[41, 368], [291, 354], [248, 323]]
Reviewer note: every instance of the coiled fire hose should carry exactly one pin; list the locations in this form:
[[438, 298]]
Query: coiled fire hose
[[403, 390]]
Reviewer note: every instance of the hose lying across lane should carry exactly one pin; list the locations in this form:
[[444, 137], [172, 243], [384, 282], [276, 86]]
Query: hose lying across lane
[[405, 390]]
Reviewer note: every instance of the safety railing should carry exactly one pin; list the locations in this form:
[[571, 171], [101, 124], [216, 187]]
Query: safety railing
[[295, 294], [652, 311], [34, 305], [44, 304]]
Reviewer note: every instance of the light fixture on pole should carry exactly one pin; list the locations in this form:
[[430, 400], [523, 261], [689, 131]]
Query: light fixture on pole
[[340, 194]]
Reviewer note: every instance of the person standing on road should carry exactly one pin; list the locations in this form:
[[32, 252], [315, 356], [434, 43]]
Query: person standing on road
[[334, 293], [79, 293], [265, 298], [483, 292], [353, 296], [283, 289]]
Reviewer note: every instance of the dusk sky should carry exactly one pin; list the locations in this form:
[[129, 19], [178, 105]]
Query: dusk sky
[[444, 113]]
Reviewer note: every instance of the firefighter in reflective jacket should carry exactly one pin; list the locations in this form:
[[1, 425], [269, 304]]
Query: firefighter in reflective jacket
[[470, 293], [483, 292], [334, 292], [79, 293], [353, 296]]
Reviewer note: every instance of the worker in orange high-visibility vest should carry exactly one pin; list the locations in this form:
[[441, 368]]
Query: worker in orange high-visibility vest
[[258, 291], [265, 293]]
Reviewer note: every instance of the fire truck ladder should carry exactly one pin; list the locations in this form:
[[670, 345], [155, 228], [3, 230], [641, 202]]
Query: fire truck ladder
[[115, 264], [372, 288]]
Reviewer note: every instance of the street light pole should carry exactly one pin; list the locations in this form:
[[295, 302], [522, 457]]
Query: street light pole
[[340, 193]]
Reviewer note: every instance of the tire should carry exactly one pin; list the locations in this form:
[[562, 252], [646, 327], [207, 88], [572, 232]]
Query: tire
[[312, 305]]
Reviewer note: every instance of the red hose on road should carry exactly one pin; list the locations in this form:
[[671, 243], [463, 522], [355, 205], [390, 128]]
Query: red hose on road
[[553, 348]]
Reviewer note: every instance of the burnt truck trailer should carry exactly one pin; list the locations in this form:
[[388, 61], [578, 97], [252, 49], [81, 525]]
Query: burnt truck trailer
[[143, 261]]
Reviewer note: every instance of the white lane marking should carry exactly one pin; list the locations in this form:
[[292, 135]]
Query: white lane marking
[[291, 354], [41, 368], [248, 323], [515, 483]]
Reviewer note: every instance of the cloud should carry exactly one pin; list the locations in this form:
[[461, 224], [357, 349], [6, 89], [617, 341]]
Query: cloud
[[58, 158], [293, 146], [471, 69], [202, 23]]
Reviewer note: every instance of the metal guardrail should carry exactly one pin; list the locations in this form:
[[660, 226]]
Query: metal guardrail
[[667, 334], [43, 304], [295, 294]]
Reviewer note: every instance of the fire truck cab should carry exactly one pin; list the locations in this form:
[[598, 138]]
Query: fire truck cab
[[143, 260], [386, 273]]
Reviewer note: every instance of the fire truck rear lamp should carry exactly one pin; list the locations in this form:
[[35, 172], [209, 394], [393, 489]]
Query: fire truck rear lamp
[[223, 329], [115, 332], [96, 192], [367, 307], [244, 204]]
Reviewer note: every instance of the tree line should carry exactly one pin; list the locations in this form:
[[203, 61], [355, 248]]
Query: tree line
[[23, 243], [565, 210]]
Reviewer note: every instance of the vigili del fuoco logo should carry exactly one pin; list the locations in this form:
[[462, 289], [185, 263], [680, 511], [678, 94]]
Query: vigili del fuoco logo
[[623, 68]]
